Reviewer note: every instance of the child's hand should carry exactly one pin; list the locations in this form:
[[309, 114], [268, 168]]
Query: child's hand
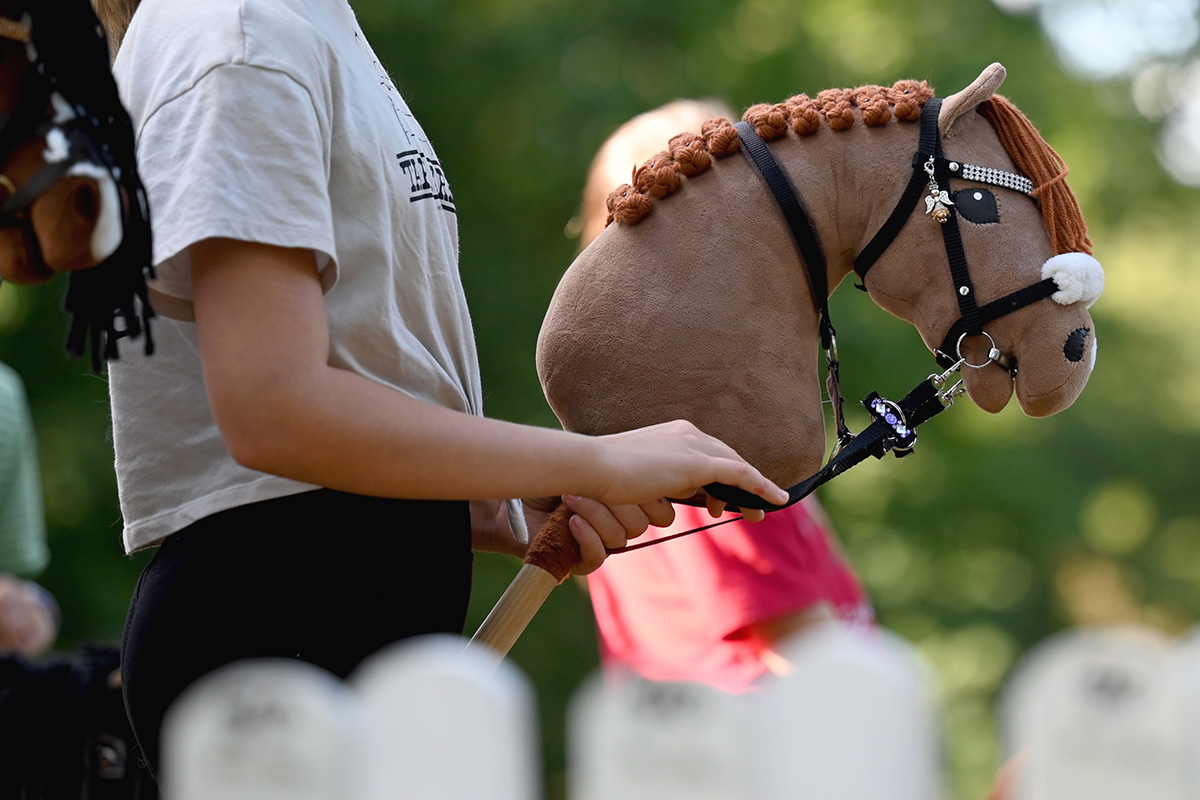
[[490, 531], [597, 526], [674, 459], [27, 625]]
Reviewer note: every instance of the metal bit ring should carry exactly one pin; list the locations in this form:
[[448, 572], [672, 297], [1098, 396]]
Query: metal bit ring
[[994, 354]]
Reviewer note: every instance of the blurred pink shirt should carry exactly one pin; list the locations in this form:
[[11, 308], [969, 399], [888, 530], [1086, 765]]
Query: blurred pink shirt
[[681, 611]]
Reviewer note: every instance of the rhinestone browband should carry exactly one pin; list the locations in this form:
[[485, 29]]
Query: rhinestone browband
[[996, 177]]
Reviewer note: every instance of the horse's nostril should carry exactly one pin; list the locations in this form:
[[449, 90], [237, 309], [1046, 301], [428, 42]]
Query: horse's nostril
[[87, 202], [1076, 344]]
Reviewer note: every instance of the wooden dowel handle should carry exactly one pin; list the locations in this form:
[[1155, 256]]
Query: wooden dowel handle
[[551, 556], [515, 608]]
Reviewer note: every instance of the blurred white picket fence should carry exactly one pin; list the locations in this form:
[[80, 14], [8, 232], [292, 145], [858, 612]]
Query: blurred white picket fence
[[1101, 715]]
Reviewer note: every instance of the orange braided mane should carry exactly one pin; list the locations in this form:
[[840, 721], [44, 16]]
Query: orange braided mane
[[689, 154]]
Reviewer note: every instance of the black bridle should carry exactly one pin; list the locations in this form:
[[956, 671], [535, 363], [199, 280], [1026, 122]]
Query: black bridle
[[894, 422], [932, 170], [86, 125]]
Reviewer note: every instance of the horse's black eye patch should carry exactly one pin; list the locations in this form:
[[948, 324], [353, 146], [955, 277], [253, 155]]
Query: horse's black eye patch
[[977, 205]]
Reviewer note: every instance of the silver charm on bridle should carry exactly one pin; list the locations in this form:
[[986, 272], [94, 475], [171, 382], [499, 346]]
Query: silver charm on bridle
[[938, 199]]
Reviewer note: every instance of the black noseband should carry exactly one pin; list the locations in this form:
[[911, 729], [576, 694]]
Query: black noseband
[[931, 169]]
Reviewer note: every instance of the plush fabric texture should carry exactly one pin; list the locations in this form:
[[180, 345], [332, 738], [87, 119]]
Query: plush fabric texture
[[1080, 278], [702, 310]]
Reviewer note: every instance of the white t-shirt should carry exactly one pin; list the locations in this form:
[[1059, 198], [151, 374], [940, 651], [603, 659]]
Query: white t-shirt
[[273, 121]]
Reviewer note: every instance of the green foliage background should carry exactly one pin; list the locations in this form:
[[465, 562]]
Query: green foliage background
[[998, 532]]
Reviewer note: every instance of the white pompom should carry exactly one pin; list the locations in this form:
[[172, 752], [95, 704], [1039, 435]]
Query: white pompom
[[1078, 276]]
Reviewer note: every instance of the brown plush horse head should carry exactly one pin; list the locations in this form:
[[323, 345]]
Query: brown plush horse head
[[697, 305], [70, 197], [61, 227]]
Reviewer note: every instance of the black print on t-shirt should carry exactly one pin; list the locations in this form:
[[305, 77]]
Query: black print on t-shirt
[[427, 179], [423, 170]]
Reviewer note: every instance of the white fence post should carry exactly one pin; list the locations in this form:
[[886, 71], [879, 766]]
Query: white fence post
[[448, 723], [633, 739], [853, 719], [270, 729], [1101, 714]]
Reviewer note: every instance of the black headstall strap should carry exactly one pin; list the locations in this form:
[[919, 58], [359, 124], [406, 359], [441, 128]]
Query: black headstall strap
[[931, 171], [811, 254], [894, 424], [797, 219]]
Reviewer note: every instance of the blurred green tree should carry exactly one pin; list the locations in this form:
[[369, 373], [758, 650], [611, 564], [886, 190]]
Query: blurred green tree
[[999, 531]]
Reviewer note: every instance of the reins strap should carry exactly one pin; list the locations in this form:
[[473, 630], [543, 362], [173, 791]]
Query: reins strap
[[680, 534], [893, 428]]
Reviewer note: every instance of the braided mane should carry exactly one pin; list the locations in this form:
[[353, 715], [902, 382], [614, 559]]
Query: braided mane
[[690, 154]]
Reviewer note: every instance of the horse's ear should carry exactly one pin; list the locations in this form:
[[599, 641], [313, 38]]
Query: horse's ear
[[982, 88]]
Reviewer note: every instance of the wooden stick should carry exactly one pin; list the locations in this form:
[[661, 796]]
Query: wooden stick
[[551, 556]]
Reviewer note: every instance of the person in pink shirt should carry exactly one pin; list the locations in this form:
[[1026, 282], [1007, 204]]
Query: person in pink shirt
[[709, 607]]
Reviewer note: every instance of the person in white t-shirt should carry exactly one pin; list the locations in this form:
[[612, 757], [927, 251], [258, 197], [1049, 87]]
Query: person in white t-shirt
[[303, 445]]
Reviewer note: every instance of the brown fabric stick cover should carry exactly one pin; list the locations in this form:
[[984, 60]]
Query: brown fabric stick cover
[[554, 549]]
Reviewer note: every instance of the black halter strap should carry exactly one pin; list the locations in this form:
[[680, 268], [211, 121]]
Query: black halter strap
[[917, 184], [894, 423], [798, 222], [931, 168], [811, 255]]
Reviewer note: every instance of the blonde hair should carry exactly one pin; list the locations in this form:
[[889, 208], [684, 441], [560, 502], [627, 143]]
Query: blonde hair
[[115, 16], [626, 148]]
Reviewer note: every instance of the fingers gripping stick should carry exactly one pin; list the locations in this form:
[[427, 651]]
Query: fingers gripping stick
[[548, 562]]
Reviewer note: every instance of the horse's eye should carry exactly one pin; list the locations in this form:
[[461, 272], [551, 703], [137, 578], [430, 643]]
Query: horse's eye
[[977, 205]]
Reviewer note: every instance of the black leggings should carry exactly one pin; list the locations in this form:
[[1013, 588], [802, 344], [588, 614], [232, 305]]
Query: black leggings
[[324, 576]]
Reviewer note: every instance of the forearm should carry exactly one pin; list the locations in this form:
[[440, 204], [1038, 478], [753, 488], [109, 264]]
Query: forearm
[[340, 430], [281, 408]]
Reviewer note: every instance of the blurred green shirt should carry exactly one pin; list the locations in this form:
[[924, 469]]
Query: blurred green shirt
[[22, 521]]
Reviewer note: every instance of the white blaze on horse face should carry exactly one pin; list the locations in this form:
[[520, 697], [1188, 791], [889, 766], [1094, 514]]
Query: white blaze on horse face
[[57, 148], [62, 109], [109, 231]]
